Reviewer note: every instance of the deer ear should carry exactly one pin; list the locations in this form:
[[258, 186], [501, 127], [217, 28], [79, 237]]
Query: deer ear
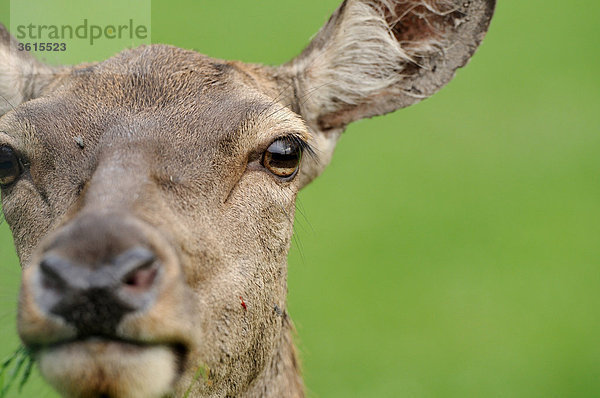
[[376, 56], [22, 77]]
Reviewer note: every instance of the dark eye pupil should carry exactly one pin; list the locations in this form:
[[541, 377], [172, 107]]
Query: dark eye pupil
[[10, 169], [282, 158]]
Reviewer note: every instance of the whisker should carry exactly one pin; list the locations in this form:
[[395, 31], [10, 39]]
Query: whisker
[[8, 102], [300, 209]]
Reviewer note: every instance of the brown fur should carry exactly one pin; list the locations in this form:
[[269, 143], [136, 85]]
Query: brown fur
[[161, 146]]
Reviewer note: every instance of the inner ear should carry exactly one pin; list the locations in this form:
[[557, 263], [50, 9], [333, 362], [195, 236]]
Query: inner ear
[[419, 24], [423, 28]]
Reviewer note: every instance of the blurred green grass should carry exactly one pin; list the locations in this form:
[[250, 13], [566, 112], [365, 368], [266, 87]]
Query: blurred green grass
[[452, 248]]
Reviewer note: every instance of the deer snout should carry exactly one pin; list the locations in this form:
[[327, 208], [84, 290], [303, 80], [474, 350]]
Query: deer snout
[[103, 306], [94, 300], [107, 275]]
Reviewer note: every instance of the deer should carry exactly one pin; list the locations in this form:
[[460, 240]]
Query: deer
[[151, 196]]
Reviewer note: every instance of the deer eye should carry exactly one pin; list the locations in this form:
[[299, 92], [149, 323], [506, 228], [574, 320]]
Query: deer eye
[[282, 157], [10, 166]]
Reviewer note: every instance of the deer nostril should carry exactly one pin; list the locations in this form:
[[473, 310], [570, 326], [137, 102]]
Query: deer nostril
[[139, 268], [141, 278], [52, 269]]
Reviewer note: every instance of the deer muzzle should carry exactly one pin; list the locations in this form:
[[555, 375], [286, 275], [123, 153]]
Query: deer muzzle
[[105, 295]]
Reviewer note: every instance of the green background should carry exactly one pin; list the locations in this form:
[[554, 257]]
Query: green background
[[452, 248]]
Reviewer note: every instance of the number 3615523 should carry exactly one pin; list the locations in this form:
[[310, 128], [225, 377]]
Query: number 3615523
[[42, 46]]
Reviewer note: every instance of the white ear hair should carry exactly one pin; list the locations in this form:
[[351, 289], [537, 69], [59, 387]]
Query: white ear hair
[[22, 77], [361, 58]]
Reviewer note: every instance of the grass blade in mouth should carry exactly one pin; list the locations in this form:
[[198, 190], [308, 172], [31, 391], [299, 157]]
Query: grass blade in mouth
[[8, 374]]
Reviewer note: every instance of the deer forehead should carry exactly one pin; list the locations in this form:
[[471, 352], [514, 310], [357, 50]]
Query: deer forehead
[[158, 106], [157, 92]]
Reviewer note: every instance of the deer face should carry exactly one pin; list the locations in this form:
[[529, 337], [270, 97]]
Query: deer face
[[151, 196], [145, 176]]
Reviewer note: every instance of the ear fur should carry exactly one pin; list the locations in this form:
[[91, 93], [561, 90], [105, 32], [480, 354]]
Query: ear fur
[[22, 77], [376, 56]]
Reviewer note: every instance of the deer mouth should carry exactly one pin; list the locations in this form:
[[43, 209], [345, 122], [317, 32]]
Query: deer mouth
[[125, 346], [103, 367]]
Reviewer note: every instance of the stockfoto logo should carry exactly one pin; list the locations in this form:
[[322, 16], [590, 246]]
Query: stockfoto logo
[[85, 30]]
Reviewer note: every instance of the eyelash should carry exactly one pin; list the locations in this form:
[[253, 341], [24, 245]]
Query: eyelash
[[306, 148]]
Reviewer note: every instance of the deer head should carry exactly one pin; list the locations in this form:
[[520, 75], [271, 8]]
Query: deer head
[[151, 196]]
